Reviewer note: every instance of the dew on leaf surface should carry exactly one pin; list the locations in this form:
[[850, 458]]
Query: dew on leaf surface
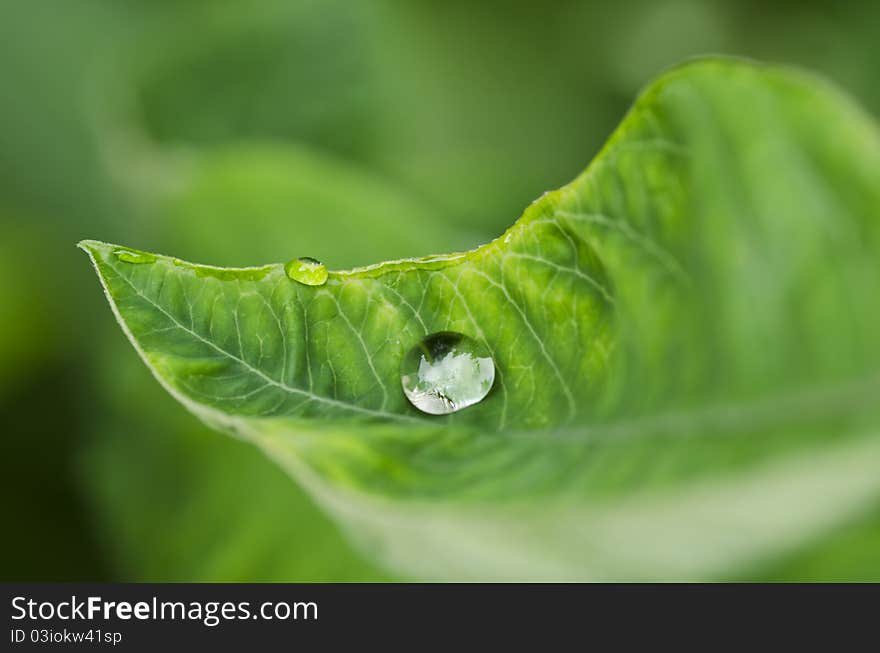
[[130, 256], [445, 372], [306, 270]]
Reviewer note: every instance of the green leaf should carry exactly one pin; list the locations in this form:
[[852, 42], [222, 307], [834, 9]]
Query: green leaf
[[172, 502], [685, 342]]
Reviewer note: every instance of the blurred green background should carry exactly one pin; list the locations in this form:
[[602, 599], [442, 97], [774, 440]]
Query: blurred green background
[[234, 133]]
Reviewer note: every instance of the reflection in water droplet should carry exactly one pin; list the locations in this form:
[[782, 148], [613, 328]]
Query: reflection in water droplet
[[446, 372], [130, 256], [307, 270]]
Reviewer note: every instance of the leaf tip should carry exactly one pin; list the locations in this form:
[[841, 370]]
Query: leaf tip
[[91, 247]]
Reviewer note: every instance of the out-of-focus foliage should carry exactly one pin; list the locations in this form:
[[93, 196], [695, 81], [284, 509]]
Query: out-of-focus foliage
[[174, 125]]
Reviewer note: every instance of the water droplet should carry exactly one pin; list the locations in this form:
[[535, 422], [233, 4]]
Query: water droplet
[[446, 372], [131, 256], [307, 270]]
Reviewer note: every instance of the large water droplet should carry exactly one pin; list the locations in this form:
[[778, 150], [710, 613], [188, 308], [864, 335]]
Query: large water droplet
[[131, 256], [307, 270], [446, 372]]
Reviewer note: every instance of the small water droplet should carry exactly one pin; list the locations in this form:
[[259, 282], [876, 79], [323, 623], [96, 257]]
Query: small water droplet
[[130, 256], [446, 372], [307, 270]]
